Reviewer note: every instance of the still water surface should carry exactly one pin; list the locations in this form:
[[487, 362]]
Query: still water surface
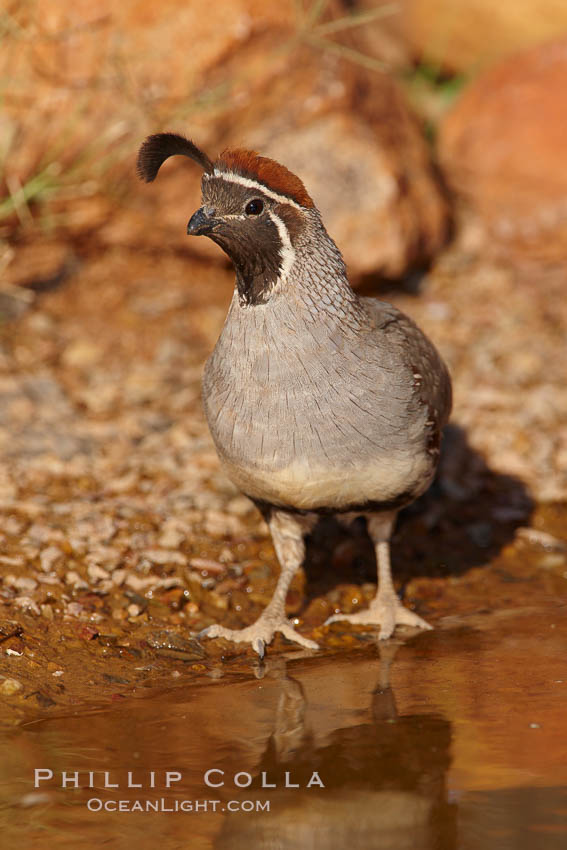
[[454, 740]]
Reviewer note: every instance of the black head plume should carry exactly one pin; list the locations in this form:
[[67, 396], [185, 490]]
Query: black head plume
[[156, 149]]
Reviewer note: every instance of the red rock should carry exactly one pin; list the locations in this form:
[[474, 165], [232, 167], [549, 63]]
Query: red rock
[[503, 149]]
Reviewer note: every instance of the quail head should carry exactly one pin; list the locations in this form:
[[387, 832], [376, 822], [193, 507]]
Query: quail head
[[318, 401]]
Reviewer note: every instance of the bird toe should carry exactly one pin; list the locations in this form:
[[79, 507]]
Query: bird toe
[[385, 611], [259, 634]]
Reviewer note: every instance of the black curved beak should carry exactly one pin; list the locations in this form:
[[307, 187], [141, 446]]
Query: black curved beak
[[201, 223]]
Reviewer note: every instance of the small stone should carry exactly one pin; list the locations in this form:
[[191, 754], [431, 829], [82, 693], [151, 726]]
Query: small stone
[[96, 573], [169, 582], [81, 354], [13, 526], [50, 558], [10, 687], [208, 565], [134, 610], [219, 524], [125, 483], [140, 585], [552, 561], [547, 541], [48, 578], [165, 556], [208, 501], [76, 580], [75, 609], [104, 556], [23, 583], [27, 603], [8, 561], [118, 577], [170, 538]]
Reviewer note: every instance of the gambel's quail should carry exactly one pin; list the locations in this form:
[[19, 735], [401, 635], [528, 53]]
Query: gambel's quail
[[318, 401]]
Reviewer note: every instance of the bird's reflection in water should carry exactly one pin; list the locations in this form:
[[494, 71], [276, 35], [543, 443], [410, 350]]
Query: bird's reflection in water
[[385, 780]]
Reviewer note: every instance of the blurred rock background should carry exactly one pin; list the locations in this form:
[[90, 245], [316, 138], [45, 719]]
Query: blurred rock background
[[353, 94]]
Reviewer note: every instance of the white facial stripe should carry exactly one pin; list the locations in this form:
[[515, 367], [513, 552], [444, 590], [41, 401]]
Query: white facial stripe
[[231, 177], [287, 251]]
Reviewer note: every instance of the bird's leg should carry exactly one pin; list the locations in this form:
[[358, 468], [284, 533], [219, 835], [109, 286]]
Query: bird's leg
[[385, 610], [288, 532]]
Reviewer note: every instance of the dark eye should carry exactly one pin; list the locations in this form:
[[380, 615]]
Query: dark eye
[[254, 207]]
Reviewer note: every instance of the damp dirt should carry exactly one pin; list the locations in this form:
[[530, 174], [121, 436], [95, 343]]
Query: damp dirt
[[120, 540]]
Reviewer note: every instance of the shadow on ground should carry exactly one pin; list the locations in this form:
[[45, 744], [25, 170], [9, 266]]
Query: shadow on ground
[[469, 514]]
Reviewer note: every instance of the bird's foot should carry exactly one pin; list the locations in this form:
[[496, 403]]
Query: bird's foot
[[385, 611], [260, 633]]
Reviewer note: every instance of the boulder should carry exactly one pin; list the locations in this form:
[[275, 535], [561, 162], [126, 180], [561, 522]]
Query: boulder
[[503, 146]]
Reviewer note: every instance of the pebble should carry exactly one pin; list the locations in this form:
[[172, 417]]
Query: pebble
[[8, 561], [218, 524], [48, 578], [96, 573], [552, 561], [542, 538], [165, 556], [140, 584], [50, 557], [76, 580], [13, 526], [171, 538], [118, 577], [207, 564], [81, 353], [21, 583], [10, 687], [104, 556], [28, 603]]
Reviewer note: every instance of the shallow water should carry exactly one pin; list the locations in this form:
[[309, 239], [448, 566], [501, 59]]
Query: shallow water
[[453, 740]]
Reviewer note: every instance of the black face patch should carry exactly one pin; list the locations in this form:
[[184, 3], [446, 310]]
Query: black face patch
[[252, 241]]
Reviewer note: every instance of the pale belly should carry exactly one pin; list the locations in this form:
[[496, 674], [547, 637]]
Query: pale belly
[[310, 486]]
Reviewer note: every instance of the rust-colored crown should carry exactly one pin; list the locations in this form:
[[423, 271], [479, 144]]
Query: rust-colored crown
[[266, 171]]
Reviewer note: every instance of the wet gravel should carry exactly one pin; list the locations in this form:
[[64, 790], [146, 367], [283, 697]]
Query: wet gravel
[[120, 539]]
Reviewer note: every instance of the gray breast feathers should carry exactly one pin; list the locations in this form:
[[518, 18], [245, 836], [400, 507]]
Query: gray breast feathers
[[308, 412]]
